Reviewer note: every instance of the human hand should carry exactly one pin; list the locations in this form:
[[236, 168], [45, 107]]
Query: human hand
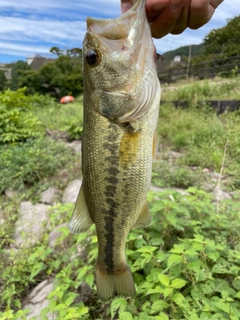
[[174, 16]]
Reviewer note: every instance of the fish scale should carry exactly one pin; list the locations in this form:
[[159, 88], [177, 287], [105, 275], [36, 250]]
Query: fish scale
[[119, 125]]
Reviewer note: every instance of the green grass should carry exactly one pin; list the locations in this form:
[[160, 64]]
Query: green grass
[[204, 138], [58, 116], [216, 89]]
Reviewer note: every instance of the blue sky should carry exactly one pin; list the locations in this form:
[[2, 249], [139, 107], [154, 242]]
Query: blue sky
[[32, 27]]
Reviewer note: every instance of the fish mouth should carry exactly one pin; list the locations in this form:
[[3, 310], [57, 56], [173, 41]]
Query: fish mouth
[[123, 82], [126, 27]]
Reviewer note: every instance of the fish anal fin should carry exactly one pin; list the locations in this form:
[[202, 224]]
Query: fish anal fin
[[110, 285], [144, 218], [81, 220]]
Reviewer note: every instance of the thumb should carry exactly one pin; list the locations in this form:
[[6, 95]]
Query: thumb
[[126, 5]]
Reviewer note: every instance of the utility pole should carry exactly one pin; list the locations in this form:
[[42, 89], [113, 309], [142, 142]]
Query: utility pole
[[189, 61]]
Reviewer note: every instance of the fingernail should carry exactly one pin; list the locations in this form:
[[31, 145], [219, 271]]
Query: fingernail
[[175, 4]]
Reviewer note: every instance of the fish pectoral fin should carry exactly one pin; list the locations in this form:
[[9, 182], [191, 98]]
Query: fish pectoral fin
[[81, 220], [144, 218]]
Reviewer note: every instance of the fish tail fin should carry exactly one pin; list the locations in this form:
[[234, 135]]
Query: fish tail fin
[[115, 284]]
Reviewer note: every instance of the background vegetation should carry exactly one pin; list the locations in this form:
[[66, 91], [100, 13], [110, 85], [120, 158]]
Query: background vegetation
[[186, 265], [63, 75]]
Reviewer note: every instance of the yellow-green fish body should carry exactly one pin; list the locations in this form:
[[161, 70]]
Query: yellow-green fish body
[[121, 104]]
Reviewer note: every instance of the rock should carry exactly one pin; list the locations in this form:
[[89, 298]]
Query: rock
[[234, 194], [71, 192], [215, 175], [81, 252], [195, 168], [30, 224], [175, 155], [50, 196], [208, 187], [55, 234], [220, 195], [2, 220], [205, 171], [37, 300], [10, 193], [76, 146], [85, 292]]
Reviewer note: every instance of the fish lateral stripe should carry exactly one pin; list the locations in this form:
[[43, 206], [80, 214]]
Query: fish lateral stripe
[[112, 205]]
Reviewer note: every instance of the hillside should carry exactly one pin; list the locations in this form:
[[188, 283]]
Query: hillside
[[197, 49]]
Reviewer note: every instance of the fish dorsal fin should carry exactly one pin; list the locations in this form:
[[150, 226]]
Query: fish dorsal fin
[[144, 218], [81, 220]]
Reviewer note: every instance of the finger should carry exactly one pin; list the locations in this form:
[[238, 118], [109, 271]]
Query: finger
[[126, 5], [201, 12], [166, 20], [155, 7], [182, 22]]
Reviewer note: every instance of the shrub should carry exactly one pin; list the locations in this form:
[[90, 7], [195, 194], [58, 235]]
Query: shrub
[[186, 265], [17, 123], [168, 175], [25, 164]]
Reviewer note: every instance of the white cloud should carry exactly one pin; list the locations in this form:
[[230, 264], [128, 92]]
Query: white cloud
[[227, 10], [22, 49], [27, 25], [62, 7], [42, 31]]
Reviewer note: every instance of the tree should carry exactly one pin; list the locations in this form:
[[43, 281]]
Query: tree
[[3, 81], [75, 52], [224, 41], [17, 69], [57, 51], [58, 78]]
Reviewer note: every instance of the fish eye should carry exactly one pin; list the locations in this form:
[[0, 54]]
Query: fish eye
[[92, 56]]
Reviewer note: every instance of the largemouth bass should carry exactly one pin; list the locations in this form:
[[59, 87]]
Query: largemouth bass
[[121, 105]]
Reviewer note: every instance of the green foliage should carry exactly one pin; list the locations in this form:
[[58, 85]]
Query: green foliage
[[224, 40], [194, 93], [19, 268], [59, 78], [211, 58], [169, 175], [185, 265], [17, 123], [66, 118], [70, 52], [3, 80], [74, 129], [25, 164], [197, 49], [17, 69], [199, 133]]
